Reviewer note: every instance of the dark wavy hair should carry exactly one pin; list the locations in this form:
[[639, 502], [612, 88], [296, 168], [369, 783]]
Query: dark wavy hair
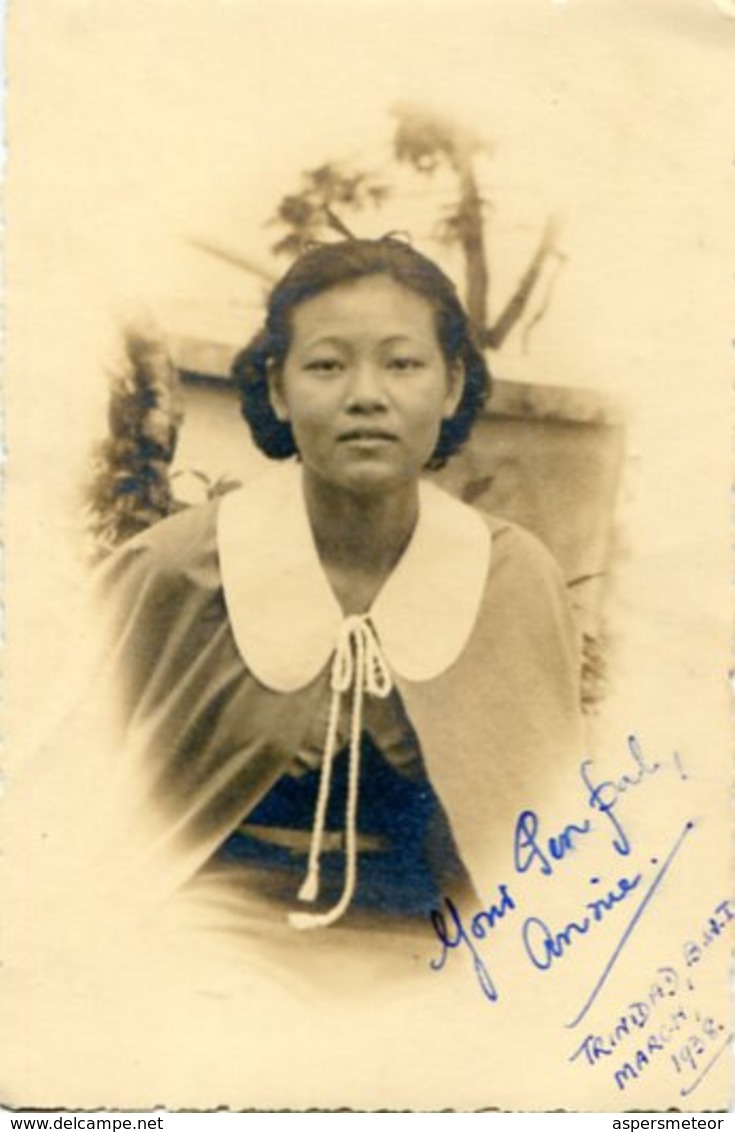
[[324, 266]]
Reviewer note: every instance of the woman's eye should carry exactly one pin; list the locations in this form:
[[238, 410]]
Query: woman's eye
[[404, 364], [323, 365]]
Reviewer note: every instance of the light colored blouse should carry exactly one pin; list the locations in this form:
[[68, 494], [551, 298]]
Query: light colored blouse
[[232, 655]]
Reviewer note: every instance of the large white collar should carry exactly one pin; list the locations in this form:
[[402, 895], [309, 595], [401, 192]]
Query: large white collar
[[284, 615]]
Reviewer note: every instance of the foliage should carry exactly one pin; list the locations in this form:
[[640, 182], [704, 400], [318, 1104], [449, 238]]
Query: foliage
[[306, 212], [425, 139], [129, 486], [425, 142]]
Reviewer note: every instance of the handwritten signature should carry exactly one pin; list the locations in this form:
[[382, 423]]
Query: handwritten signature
[[535, 850]]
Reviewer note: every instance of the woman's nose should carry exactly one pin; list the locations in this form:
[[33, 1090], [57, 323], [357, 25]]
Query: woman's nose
[[366, 390]]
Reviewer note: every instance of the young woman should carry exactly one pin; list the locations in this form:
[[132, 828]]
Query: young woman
[[340, 684]]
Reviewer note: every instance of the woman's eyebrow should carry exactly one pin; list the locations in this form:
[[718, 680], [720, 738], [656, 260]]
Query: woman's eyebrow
[[394, 338], [325, 340], [346, 343]]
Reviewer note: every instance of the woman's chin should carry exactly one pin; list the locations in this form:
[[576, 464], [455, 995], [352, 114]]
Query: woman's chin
[[370, 478]]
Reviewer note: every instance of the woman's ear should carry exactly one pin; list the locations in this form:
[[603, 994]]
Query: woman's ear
[[456, 377], [274, 377]]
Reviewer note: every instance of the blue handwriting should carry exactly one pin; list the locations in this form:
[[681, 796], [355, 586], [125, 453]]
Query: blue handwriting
[[544, 946], [647, 898], [528, 851], [604, 796], [455, 934], [538, 850]]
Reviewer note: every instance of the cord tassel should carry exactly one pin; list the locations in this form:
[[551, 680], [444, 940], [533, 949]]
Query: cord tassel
[[310, 888], [358, 663]]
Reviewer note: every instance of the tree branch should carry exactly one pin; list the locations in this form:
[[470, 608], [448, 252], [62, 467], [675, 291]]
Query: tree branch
[[235, 259], [496, 334]]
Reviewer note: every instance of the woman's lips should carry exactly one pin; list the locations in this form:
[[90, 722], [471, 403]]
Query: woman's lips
[[366, 435]]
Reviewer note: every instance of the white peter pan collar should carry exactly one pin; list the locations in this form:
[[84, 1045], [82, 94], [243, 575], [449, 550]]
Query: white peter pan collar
[[284, 615]]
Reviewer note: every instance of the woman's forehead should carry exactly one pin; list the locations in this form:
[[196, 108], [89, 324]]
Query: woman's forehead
[[369, 305]]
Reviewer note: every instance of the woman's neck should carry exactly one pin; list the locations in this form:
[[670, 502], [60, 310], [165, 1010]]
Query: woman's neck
[[359, 537]]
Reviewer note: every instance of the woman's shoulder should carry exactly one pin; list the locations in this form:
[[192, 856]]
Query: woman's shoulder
[[511, 546], [525, 591], [515, 548], [183, 545]]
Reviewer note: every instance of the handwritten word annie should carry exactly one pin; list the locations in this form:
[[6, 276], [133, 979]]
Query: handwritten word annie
[[543, 945]]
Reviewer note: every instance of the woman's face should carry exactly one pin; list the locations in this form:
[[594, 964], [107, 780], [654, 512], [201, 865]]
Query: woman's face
[[365, 385]]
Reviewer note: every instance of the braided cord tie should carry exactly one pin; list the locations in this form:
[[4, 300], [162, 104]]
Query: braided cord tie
[[358, 664]]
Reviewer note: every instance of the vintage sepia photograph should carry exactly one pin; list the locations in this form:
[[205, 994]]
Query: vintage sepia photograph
[[367, 615]]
